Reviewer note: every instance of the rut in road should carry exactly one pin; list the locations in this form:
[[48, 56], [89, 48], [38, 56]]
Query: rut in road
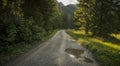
[[60, 50]]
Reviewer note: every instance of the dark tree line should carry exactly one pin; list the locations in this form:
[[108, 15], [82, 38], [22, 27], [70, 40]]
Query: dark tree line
[[102, 17], [24, 21]]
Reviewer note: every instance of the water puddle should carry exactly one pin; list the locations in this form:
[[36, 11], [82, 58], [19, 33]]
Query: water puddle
[[77, 53]]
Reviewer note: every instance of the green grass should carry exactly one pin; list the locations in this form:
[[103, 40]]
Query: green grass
[[105, 50], [21, 48]]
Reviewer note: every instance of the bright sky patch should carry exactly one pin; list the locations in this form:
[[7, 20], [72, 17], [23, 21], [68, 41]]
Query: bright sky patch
[[67, 2]]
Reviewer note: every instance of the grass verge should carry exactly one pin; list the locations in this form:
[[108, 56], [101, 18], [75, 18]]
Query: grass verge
[[105, 50]]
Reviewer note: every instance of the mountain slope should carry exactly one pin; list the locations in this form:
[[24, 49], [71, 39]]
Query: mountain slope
[[68, 14]]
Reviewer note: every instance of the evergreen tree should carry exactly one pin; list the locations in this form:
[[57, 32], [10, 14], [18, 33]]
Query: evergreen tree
[[101, 17], [84, 15], [106, 18]]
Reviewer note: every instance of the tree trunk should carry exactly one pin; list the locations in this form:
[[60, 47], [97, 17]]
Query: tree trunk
[[86, 30]]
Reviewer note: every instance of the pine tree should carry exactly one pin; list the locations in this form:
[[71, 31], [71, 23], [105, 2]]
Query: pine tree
[[84, 15], [99, 16], [106, 18]]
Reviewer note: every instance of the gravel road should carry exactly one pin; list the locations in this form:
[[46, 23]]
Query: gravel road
[[60, 50]]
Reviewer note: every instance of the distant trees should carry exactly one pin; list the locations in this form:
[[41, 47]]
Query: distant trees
[[100, 17], [23, 21], [68, 14]]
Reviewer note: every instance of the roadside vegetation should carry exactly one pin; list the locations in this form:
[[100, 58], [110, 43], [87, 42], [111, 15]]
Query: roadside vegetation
[[97, 27], [105, 50], [22, 48], [23, 22]]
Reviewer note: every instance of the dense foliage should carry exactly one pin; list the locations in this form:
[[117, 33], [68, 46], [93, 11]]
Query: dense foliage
[[24, 21], [101, 17]]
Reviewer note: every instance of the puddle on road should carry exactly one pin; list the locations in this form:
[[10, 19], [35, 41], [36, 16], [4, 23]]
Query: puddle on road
[[77, 53]]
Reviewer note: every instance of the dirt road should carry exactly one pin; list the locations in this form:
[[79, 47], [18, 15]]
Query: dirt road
[[60, 50]]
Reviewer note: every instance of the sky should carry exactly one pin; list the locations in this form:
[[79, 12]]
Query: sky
[[67, 2]]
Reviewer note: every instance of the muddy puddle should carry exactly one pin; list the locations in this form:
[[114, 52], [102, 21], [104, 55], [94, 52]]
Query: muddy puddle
[[77, 53]]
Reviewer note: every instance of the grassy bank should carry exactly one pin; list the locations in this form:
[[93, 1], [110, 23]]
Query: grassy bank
[[22, 48], [105, 50]]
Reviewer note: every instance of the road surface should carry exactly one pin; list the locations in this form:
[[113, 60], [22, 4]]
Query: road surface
[[60, 50]]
